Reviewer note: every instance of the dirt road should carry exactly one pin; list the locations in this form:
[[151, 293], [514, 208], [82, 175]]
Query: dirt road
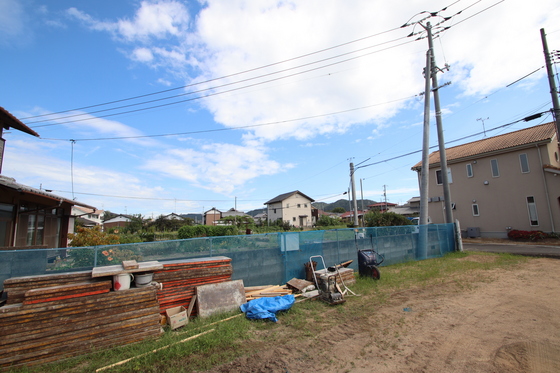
[[498, 321]]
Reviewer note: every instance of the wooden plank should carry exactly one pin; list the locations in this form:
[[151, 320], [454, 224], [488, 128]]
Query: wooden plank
[[89, 285], [298, 284], [221, 297], [191, 305], [118, 269], [129, 264]]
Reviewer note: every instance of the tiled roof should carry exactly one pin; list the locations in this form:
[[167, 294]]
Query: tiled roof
[[282, 197], [7, 120], [528, 136]]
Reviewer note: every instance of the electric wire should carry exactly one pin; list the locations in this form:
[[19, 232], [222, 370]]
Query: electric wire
[[231, 83]]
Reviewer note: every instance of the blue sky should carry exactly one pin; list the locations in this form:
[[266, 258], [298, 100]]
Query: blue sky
[[269, 96]]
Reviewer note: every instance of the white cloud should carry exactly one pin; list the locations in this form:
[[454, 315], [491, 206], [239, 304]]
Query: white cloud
[[218, 167], [12, 21], [142, 55]]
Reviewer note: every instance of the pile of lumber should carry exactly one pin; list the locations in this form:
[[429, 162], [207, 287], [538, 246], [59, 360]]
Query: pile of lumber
[[255, 292], [16, 287], [65, 315], [179, 279]]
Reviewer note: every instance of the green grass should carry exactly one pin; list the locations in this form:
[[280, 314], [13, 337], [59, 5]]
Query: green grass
[[240, 336]]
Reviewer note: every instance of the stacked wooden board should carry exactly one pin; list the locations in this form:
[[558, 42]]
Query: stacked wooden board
[[255, 292], [63, 315], [179, 279]]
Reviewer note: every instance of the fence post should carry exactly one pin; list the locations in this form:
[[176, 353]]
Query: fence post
[[95, 257], [211, 247]]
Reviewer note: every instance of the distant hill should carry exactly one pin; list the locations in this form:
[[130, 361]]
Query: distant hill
[[344, 203], [256, 212]]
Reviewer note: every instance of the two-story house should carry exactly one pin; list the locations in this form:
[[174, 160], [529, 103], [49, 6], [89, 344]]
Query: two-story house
[[293, 207], [510, 181]]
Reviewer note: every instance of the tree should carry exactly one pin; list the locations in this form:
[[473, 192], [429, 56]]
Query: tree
[[339, 210], [385, 219], [326, 221]]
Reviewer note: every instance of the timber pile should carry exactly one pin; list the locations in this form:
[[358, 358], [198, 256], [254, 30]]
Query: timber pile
[[61, 321], [16, 287], [255, 292], [181, 277]]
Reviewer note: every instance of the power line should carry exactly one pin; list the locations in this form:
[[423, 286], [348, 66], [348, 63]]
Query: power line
[[239, 127], [227, 84], [212, 94]]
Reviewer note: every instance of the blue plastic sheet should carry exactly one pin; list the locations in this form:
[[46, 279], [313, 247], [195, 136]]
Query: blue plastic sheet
[[266, 308]]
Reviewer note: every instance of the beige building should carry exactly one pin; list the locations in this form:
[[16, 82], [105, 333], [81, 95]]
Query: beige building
[[511, 181], [293, 207]]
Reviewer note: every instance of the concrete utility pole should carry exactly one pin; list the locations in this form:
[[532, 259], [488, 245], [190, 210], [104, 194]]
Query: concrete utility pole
[[553, 90], [441, 141], [424, 183], [355, 202]]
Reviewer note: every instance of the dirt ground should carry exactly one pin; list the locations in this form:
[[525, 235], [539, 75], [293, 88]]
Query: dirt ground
[[503, 321]]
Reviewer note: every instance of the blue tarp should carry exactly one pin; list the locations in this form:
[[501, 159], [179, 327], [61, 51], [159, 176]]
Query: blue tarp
[[266, 308]]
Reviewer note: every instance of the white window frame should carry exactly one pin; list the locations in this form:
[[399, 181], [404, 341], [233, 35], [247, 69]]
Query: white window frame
[[526, 158], [475, 210], [492, 163], [449, 177], [532, 211], [470, 172]]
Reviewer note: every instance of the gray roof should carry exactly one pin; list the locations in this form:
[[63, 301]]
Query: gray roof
[[284, 196], [11, 183]]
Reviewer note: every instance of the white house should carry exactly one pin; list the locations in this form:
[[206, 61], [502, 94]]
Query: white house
[[293, 207]]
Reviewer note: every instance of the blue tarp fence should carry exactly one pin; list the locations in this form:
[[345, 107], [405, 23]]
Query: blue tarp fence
[[259, 259]]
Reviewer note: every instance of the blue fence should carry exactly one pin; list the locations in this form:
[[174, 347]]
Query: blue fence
[[260, 259]]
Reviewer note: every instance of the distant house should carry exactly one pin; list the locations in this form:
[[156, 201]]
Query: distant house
[[234, 212], [293, 207], [86, 217], [410, 208], [118, 221], [381, 206], [510, 181], [348, 217], [212, 216]]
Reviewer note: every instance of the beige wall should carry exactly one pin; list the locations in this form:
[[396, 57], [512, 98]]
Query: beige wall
[[502, 200]]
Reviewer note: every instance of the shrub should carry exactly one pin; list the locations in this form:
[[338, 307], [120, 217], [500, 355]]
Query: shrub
[[385, 219], [327, 221], [526, 235]]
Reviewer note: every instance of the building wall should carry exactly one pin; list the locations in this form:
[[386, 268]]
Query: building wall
[[211, 216], [501, 200]]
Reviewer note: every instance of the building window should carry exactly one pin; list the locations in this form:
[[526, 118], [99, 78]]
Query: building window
[[439, 178], [495, 170], [524, 161], [475, 211], [294, 218], [287, 205], [274, 211], [469, 170], [305, 205], [532, 207], [298, 206]]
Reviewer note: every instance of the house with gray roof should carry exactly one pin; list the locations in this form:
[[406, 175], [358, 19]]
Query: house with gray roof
[[293, 207]]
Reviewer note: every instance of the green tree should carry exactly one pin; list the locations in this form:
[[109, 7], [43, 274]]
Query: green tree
[[339, 210], [386, 219], [327, 221]]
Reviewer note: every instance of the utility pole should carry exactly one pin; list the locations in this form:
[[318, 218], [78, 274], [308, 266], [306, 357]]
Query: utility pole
[[482, 120], [442, 154], [424, 181], [552, 84], [355, 202], [385, 196], [362, 194]]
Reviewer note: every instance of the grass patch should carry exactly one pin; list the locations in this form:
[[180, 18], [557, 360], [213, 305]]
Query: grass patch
[[241, 337]]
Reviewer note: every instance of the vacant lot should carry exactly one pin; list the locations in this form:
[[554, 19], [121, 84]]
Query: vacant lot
[[496, 320], [467, 312]]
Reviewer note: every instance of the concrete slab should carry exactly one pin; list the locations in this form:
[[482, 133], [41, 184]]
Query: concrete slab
[[220, 297]]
